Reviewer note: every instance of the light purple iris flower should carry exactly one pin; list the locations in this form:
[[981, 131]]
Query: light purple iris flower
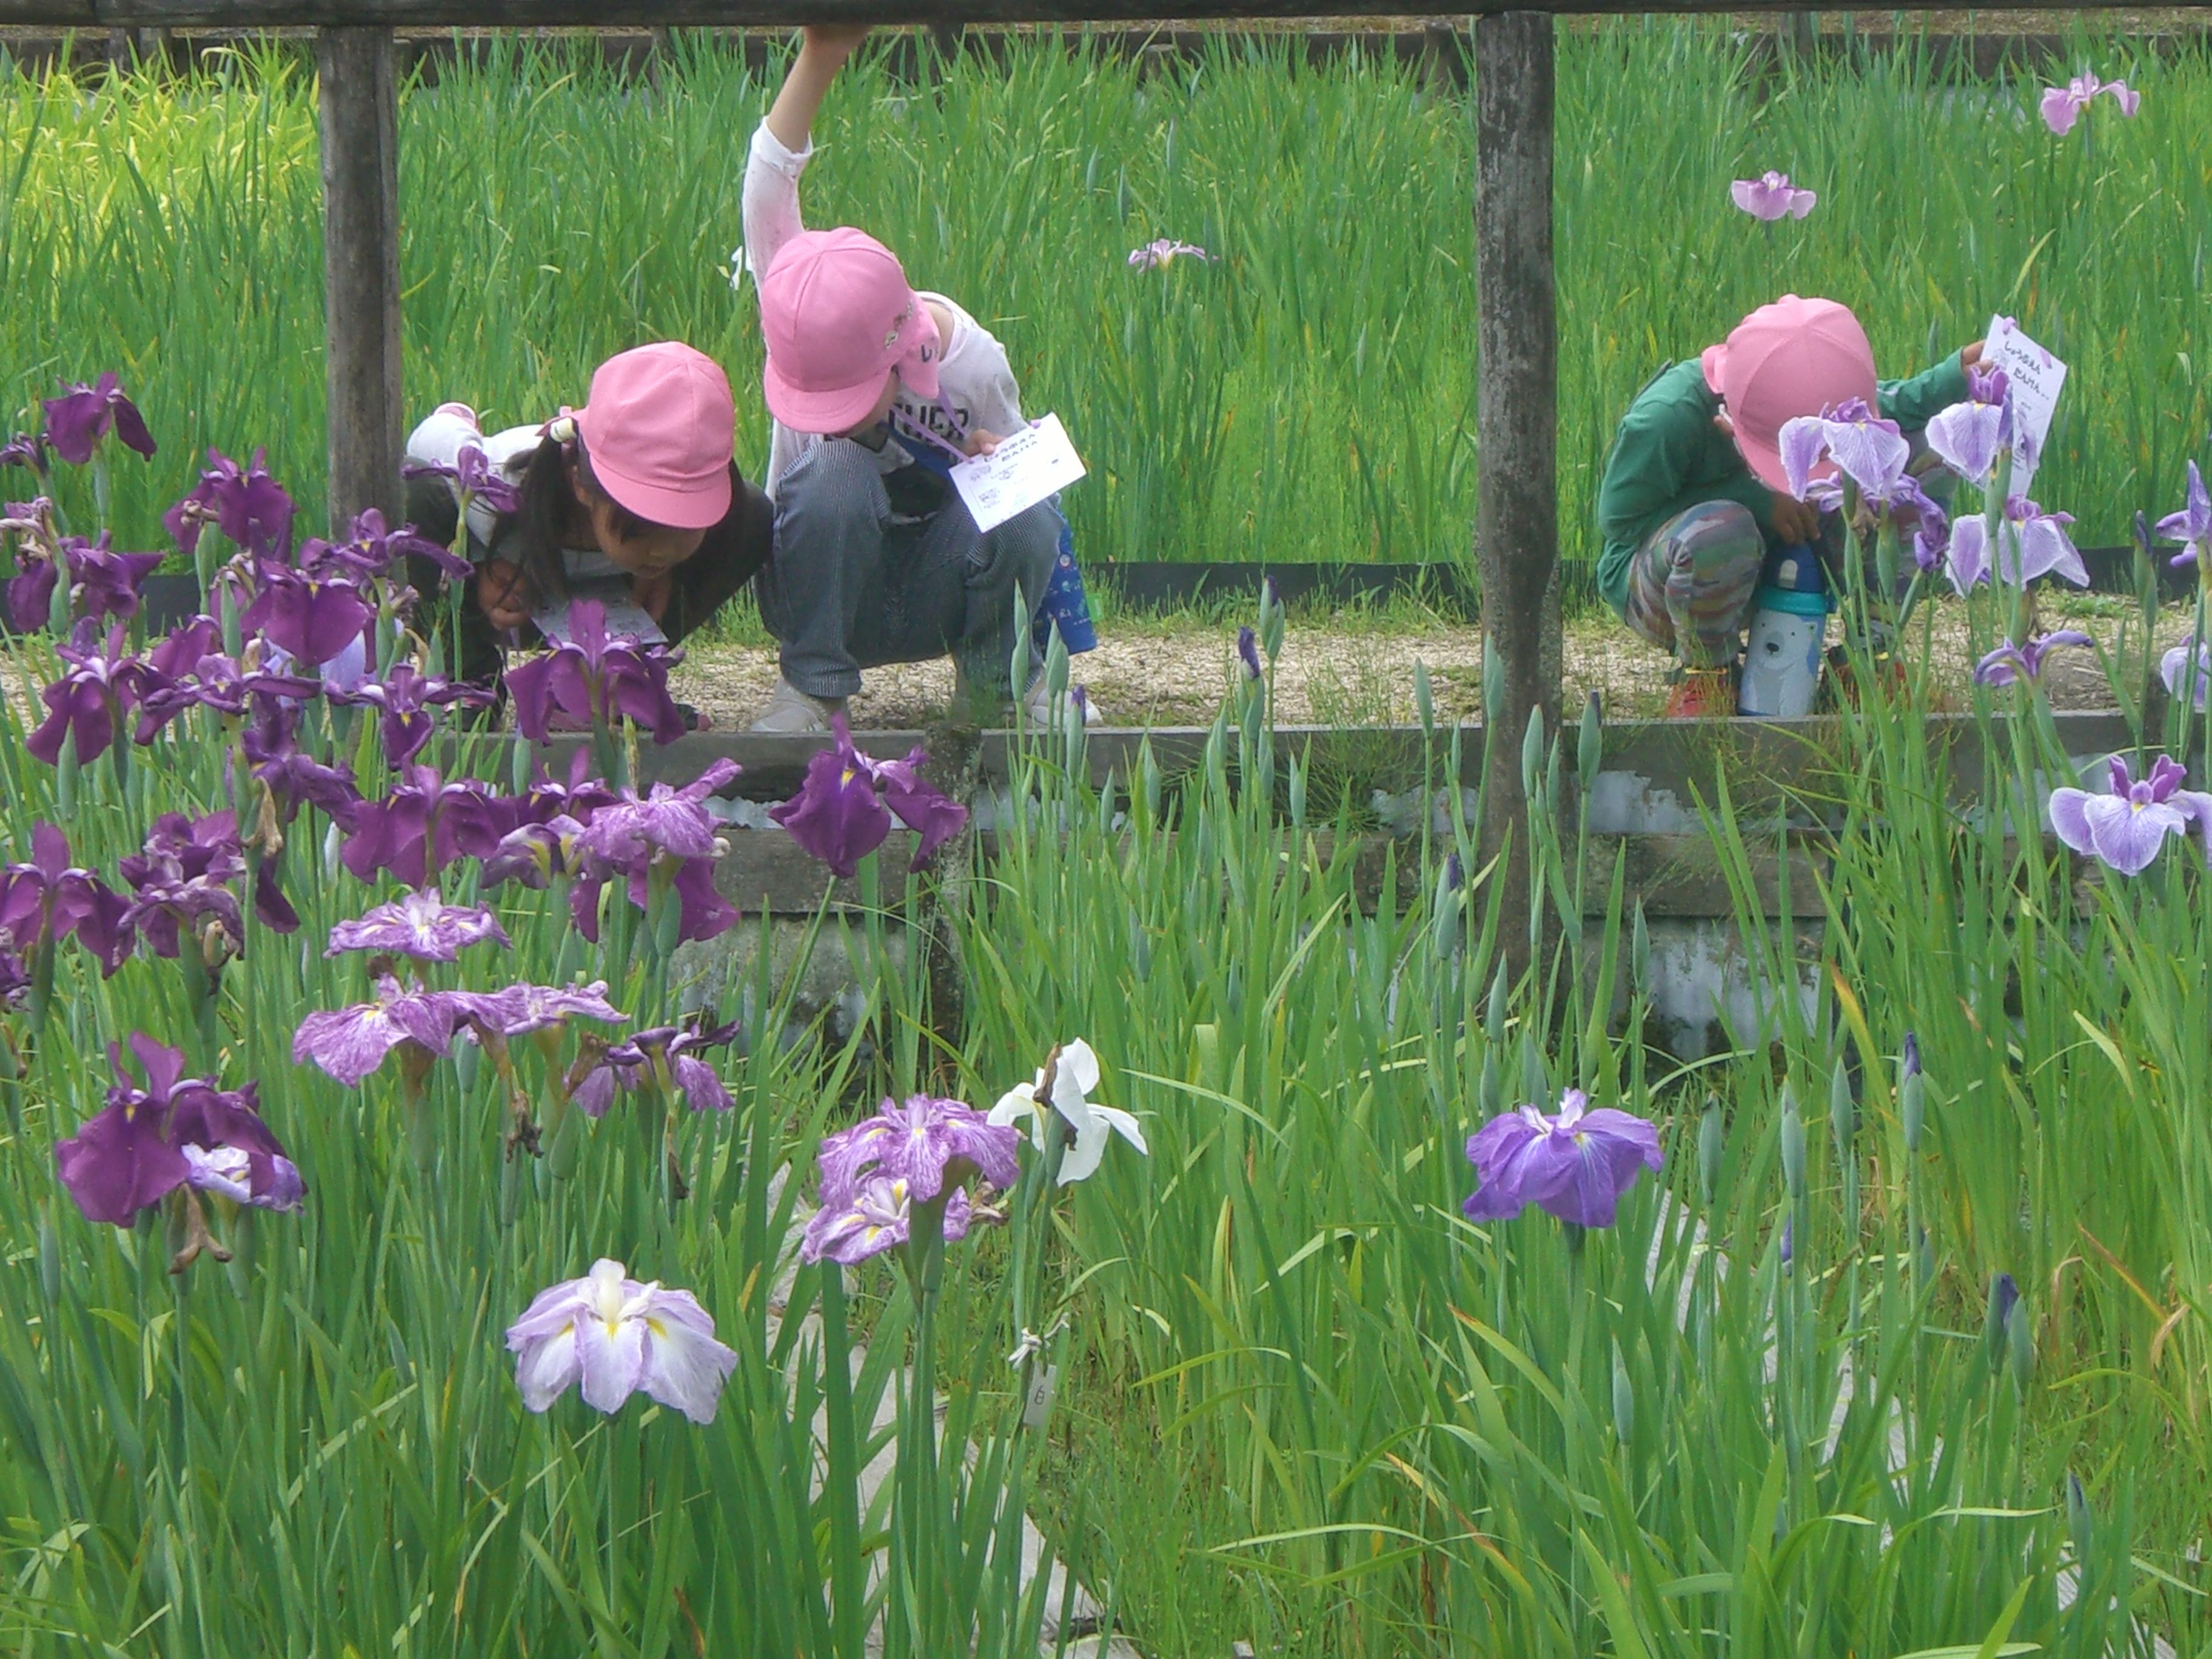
[[877, 1216], [1575, 1162], [631, 830], [83, 415], [99, 688], [1969, 437], [182, 876], [2031, 544], [175, 1132], [591, 678], [102, 582], [405, 699], [1160, 254], [2192, 526], [2064, 106], [844, 811], [473, 476], [1871, 451], [1771, 197], [609, 1336], [245, 504], [2174, 668], [349, 1043], [2010, 663], [2126, 828], [520, 1010], [48, 899], [664, 1056], [419, 925], [929, 1144]]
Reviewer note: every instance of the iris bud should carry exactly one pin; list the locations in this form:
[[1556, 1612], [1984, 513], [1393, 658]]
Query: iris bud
[[1589, 749], [1624, 1398], [1793, 1145], [1710, 1146], [2004, 1297]]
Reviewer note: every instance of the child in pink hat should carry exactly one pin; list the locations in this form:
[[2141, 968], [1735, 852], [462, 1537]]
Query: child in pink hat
[[876, 390], [634, 500], [1694, 498]]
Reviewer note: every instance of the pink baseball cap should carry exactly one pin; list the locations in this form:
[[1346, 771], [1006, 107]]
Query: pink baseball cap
[[838, 317], [660, 429], [1793, 357]]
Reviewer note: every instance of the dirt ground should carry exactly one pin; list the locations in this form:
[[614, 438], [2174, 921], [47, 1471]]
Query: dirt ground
[[1357, 669]]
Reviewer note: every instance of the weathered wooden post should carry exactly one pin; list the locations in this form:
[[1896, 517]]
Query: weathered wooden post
[[1516, 405], [360, 268]]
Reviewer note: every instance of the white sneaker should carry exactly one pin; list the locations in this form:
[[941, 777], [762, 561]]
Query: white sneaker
[[1037, 704], [791, 711]]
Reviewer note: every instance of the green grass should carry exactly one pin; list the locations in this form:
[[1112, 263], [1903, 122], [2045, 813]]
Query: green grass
[[1310, 397]]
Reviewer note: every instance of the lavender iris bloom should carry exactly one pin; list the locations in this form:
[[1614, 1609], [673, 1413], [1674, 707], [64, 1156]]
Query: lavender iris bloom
[[405, 699], [91, 698], [1969, 437], [2192, 526], [609, 1336], [1576, 1162], [1771, 197], [102, 582], [1872, 451], [519, 1010], [83, 415], [349, 1043], [421, 827], [2010, 662], [931, 1144], [2030, 544], [842, 811], [1160, 254], [48, 899], [876, 1217], [246, 505], [419, 925], [590, 679], [1931, 539], [2126, 828], [2064, 106], [664, 1056], [474, 475], [175, 1132], [182, 878], [2174, 668]]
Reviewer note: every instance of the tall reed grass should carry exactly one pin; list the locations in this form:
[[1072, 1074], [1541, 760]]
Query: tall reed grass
[[1309, 397]]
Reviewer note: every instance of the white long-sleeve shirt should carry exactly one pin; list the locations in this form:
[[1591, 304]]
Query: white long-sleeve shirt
[[973, 373]]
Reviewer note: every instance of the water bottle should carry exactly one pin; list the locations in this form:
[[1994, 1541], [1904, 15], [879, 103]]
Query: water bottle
[[1789, 624]]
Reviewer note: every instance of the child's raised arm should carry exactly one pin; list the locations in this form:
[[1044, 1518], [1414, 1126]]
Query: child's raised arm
[[780, 148], [822, 52]]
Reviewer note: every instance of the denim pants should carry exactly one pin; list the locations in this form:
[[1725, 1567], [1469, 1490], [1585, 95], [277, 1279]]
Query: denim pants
[[851, 586]]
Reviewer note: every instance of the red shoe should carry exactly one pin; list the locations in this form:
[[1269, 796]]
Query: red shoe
[[1703, 694]]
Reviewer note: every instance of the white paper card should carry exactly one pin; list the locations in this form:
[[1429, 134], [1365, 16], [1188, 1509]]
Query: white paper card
[[1036, 1409], [2035, 377], [1031, 466], [625, 620]]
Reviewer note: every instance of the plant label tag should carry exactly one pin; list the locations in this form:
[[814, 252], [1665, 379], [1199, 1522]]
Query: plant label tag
[[2035, 377], [625, 620], [1033, 465], [1038, 1406]]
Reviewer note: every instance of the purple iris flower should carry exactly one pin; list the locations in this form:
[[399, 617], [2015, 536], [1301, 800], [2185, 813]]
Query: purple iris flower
[[182, 879], [2126, 828], [1160, 254], [418, 924], [2031, 542], [521, 1009], [630, 831], [247, 505], [665, 1057], [2064, 106], [2174, 668], [2010, 663], [25, 449], [370, 550], [421, 827], [1576, 1162], [215, 682], [473, 476], [48, 899], [547, 798], [1931, 539], [174, 1132], [349, 1043], [590, 679], [405, 699], [83, 415], [91, 698], [1969, 437], [878, 1216], [1872, 452], [102, 582], [15, 975], [2192, 526], [701, 912], [1248, 648], [311, 619], [292, 776], [844, 811], [1771, 197], [931, 1144], [537, 855]]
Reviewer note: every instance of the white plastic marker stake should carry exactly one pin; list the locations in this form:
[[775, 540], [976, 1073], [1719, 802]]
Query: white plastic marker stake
[[2035, 377], [1029, 467]]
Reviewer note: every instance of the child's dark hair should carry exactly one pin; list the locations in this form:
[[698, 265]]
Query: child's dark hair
[[544, 514]]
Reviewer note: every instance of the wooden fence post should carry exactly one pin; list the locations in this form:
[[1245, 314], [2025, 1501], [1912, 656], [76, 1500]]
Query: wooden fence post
[[360, 268], [1516, 407]]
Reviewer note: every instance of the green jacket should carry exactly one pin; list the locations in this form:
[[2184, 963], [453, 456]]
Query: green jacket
[[1668, 456]]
